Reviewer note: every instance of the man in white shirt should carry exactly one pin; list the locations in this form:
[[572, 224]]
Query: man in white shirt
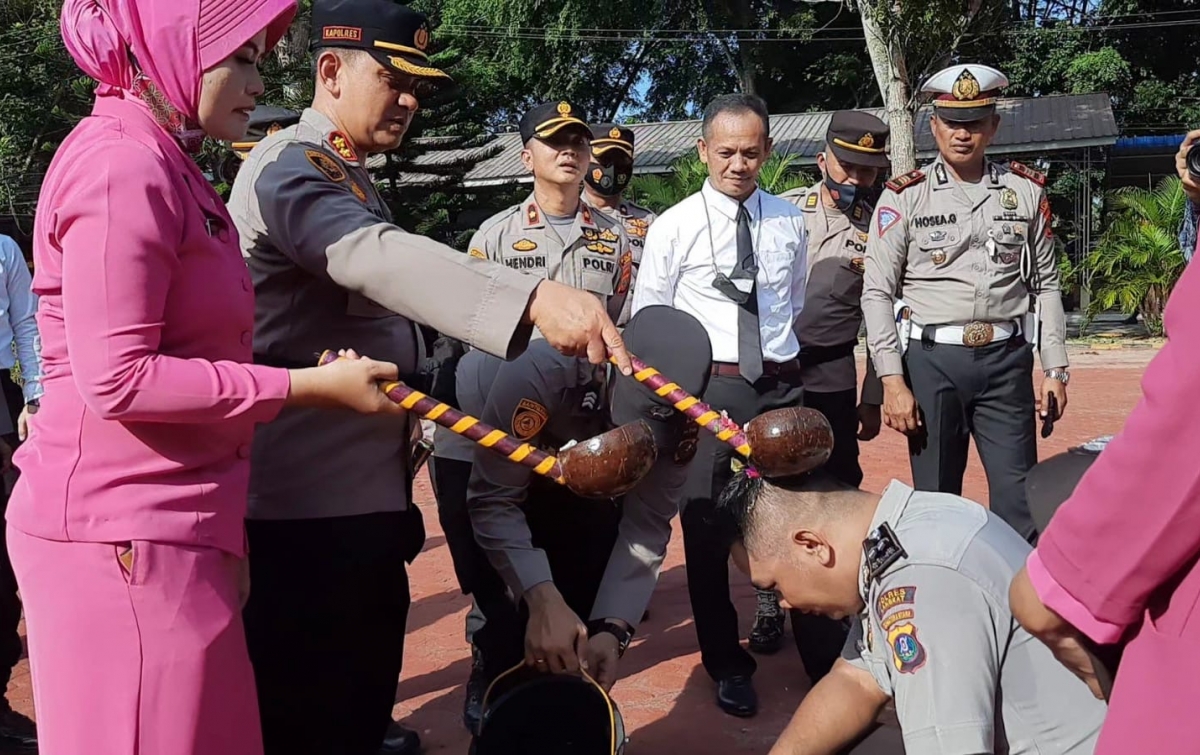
[[733, 257]]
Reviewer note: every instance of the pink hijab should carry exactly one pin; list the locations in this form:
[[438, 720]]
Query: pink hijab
[[173, 41]]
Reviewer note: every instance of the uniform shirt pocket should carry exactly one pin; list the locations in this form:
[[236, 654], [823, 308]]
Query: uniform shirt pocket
[[598, 272], [941, 245], [1009, 238]]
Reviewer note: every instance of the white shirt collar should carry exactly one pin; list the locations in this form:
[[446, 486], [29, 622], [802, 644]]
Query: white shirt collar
[[727, 205]]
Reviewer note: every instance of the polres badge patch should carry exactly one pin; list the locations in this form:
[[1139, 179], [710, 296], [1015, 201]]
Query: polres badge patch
[[907, 651], [887, 218], [528, 419]]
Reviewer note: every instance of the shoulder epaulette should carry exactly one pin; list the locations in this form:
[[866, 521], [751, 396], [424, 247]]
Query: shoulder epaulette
[[900, 183], [1026, 172]]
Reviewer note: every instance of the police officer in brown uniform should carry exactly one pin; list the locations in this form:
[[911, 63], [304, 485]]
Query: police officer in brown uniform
[[961, 279], [330, 521], [553, 233], [604, 187], [837, 214]]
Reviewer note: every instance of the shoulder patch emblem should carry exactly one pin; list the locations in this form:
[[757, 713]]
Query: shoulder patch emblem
[[887, 218], [900, 183], [907, 652], [1026, 172], [858, 265], [897, 596], [477, 253], [528, 419], [358, 192], [524, 245], [587, 214], [1048, 215], [904, 614], [600, 248], [685, 451], [326, 165], [341, 145]]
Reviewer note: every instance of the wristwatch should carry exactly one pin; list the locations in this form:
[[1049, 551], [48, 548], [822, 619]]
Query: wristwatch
[[1059, 374], [623, 635]]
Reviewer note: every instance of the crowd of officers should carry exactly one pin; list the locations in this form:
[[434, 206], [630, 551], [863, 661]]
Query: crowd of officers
[[748, 300]]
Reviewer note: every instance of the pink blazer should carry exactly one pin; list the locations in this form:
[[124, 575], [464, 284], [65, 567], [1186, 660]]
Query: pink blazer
[[1119, 559], [146, 313]]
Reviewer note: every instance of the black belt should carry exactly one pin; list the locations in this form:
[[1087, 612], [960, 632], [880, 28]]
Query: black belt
[[811, 356], [770, 369]]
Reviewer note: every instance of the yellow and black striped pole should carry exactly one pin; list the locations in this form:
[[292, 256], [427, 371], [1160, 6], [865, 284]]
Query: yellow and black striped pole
[[469, 427]]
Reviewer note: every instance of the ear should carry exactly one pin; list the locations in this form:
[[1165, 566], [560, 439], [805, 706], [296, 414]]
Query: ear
[[328, 66], [770, 146], [813, 546], [821, 162], [702, 150], [527, 159]]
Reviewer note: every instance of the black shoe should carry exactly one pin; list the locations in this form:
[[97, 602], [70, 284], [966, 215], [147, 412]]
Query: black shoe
[[17, 731], [400, 741], [477, 684], [736, 696], [766, 636]]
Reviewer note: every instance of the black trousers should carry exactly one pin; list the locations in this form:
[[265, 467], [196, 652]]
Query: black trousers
[[707, 535], [325, 626], [985, 393], [10, 606], [577, 535]]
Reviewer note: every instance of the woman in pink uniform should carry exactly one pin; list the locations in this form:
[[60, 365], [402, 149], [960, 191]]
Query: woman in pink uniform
[[126, 528], [1120, 561]]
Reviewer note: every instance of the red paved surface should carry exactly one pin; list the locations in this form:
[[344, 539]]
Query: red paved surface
[[666, 698]]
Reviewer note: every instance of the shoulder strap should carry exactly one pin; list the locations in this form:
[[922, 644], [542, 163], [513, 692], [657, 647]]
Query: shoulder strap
[[900, 183]]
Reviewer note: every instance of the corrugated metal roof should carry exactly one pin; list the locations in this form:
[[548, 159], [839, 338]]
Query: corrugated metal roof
[[1036, 124]]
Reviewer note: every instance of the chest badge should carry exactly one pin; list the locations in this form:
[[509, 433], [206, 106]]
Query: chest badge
[[524, 245], [358, 192], [938, 257], [1008, 199]]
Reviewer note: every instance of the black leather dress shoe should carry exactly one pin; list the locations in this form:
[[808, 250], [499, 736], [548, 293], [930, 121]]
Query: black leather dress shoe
[[477, 684], [736, 696], [400, 741], [766, 636]]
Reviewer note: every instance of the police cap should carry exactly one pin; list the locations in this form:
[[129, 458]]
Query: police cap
[[531, 712], [1051, 482], [608, 136], [547, 119], [264, 121], [858, 138], [674, 343], [965, 93], [397, 36]]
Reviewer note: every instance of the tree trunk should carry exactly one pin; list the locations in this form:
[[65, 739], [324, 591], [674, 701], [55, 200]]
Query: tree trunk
[[892, 77]]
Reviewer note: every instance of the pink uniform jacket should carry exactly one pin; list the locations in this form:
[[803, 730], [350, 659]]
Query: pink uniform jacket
[[146, 308], [1119, 559]]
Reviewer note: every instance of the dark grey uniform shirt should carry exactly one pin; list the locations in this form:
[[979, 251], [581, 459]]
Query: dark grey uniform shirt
[[548, 400], [954, 254], [938, 637], [832, 314], [331, 271]]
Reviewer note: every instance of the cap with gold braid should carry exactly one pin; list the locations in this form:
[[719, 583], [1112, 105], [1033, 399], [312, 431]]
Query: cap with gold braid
[[395, 35], [547, 119], [608, 136], [965, 93], [858, 138]]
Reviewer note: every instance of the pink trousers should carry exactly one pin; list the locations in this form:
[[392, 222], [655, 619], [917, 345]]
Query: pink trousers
[[135, 653]]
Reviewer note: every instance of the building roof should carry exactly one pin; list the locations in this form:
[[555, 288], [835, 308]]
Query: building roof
[[1035, 124]]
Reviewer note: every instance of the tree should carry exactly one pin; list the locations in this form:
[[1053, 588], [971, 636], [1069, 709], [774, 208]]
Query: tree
[[1137, 261], [658, 193]]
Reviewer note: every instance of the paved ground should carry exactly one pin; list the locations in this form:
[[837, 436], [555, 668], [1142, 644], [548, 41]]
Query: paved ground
[[666, 699]]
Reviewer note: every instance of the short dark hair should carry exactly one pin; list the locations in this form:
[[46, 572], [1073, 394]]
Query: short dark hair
[[739, 502], [736, 104], [345, 53]]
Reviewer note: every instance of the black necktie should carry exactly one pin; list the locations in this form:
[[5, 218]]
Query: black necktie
[[750, 358]]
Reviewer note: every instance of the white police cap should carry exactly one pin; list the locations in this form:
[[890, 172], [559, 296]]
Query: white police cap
[[965, 92]]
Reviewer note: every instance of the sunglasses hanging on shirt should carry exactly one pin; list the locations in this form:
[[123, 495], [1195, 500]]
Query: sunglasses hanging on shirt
[[746, 267]]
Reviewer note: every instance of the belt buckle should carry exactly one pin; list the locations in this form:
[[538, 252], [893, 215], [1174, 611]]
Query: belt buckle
[[978, 334]]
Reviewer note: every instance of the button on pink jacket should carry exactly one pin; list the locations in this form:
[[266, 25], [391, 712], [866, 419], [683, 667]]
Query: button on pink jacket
[[1119, 559], [146, 313]]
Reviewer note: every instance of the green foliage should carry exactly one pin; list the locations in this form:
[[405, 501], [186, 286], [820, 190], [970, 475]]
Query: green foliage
[[1137, 261], [688, 174]]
